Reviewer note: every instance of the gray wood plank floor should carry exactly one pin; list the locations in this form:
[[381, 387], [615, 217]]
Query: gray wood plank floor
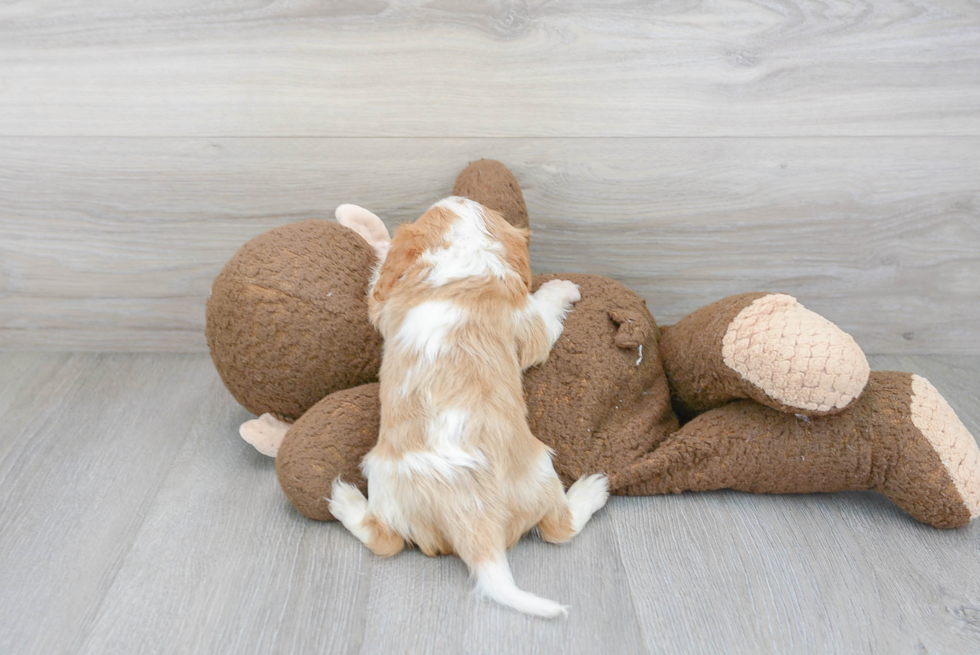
[[133, 519]]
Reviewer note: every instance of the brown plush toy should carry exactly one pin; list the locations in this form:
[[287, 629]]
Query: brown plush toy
[[776, 399]]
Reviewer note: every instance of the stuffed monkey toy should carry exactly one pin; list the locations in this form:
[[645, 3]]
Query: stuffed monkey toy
[[753, 392]]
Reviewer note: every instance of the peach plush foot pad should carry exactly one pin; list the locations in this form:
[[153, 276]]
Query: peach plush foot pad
[[763, 346], [940, 425], [795, 356]]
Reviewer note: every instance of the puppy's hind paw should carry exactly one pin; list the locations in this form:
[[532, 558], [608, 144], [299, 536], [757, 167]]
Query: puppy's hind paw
[[347, 504], [586, 497]]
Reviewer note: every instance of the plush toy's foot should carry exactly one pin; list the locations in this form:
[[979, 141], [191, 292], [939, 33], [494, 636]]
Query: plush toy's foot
[[766, 347], [900, 438], [265, 433], [935, 472]]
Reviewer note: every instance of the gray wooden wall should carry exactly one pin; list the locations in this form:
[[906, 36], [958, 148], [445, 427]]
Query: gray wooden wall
[[689, 149]]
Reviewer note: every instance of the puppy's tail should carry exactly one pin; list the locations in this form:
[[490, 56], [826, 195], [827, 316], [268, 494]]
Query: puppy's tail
[[494, 580]]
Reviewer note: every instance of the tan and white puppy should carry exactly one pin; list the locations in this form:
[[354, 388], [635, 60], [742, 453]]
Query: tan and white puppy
[[456, 468]]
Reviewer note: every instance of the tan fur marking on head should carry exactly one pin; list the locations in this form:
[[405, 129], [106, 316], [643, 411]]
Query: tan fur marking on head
[[408, 244], [406, 248]]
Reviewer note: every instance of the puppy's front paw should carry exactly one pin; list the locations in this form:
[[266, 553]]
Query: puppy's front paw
[[567, 292]]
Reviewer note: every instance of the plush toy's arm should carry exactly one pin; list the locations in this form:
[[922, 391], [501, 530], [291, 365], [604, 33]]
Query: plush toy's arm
[[762, 346], [899, 438], [266, 433]]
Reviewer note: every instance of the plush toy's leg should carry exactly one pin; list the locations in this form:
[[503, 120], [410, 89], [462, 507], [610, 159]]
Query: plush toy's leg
[[900, 438], [763, 346], [265, 433], [328, 442]]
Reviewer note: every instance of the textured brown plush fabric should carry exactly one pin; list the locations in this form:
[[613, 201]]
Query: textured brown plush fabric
[[328, 441], [699, 378], [871, 445], [287, 318], [595, 400], [491, 184]]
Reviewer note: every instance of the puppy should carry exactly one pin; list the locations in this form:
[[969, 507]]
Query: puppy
[[456, 468]]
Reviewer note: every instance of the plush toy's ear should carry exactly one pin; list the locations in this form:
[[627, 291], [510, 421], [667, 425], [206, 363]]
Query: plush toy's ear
[[367, 225]]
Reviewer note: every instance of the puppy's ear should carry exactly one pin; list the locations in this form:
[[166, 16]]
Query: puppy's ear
[[366, 224], [404, 249], [515, 240]]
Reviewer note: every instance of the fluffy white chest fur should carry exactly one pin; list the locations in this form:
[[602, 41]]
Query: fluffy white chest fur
[[456, 468]]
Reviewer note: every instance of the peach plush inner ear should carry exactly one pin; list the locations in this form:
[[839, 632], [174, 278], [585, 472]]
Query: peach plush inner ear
[[366, 224]]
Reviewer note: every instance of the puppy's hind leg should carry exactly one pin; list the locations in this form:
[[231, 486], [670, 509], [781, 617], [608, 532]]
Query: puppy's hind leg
[[570, 514], [350, 507]]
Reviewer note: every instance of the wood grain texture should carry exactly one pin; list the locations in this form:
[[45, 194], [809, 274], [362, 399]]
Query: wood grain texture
[[490, 68], [84, 445], [136, 520], [114, 243]]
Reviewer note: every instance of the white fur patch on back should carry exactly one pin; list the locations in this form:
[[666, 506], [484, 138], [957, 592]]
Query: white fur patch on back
[[445, 457], [426, 326], [446, 434], [471, 251], [446, 465]]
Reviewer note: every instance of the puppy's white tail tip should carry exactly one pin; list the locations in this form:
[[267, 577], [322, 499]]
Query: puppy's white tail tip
[[494, 580]]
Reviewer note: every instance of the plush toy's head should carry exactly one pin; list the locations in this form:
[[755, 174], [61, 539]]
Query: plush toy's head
[[287, 318]]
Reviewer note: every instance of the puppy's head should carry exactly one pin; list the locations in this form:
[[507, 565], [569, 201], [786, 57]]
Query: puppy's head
[[455, 239]]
